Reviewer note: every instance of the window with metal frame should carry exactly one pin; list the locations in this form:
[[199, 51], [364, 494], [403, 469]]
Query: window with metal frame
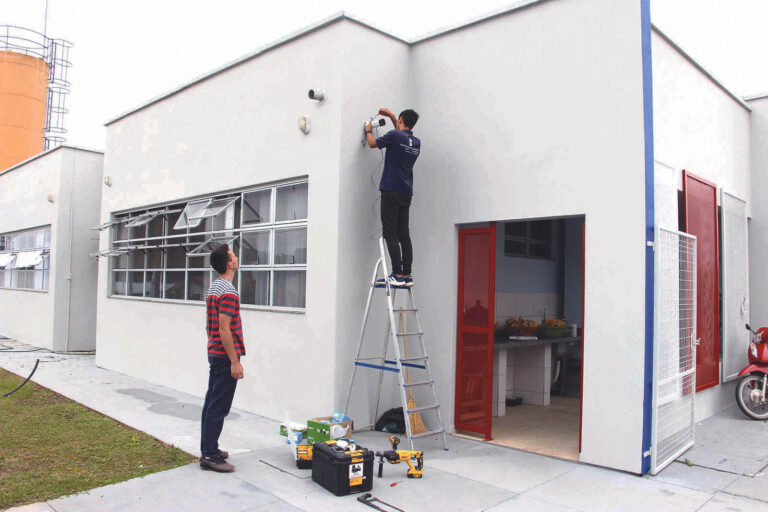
[[25, 259], [528, 239], [162, 253]]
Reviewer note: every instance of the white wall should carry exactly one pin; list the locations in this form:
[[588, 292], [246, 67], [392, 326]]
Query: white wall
[[517, 123], [702, 129], [758, 225], [28, 315], [368, 84], [235, 129]]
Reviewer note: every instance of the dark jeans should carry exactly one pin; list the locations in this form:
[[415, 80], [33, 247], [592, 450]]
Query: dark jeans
[[218, 400], [394, 224]]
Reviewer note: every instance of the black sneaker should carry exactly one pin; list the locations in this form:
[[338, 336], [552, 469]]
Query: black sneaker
[[397, 282], [217, 463], [408, 281]]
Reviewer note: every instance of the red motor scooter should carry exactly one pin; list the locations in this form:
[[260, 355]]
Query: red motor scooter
[[751, 391]]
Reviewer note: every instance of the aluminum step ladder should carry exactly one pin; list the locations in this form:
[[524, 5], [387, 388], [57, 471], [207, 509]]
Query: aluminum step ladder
[[401, 365]]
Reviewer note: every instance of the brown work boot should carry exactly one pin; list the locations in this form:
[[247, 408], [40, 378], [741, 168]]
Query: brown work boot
[[217, 463]]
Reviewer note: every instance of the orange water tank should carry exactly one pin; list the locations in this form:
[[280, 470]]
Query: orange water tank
[[23, 102]]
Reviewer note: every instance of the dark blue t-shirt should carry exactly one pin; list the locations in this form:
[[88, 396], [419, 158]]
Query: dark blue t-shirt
[[403, 149]]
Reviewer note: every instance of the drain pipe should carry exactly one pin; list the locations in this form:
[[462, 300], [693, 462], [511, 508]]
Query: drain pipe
[[71, 228]]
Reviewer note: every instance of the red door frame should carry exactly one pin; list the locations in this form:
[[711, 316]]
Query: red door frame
[[491, 231], [687, 175]]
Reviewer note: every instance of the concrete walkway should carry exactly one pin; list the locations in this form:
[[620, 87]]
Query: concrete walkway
[[725, 471]]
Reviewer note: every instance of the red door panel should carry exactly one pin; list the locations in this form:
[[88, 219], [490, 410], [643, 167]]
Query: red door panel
[[701, 221], [474, 354]]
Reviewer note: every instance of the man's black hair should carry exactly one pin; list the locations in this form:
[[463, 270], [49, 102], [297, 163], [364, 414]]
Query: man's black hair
[[409, 117], [220, 258]]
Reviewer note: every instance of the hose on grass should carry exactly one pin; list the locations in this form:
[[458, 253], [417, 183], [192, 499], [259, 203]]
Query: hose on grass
[[25, 380], [14, 350]]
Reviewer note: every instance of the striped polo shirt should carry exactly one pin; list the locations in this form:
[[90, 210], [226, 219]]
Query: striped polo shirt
[[222, 298]]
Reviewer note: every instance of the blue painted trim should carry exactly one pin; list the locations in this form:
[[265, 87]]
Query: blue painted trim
[[645, 22], [377, 367]]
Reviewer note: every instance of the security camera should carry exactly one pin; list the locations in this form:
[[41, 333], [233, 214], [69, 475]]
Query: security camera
[[316, 94]]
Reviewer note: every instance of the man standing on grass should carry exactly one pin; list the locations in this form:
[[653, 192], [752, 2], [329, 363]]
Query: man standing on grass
[[396, 188], [225, 347]]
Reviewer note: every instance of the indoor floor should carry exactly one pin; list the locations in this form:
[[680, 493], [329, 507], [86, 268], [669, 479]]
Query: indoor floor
[[547, 429]]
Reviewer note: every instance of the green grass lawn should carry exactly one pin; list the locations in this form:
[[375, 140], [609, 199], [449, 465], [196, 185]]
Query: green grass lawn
[[51, 446]]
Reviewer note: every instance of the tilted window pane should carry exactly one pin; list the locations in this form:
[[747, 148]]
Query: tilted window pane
[[174, 285], [290, 288], [255, 248], [256, 206], [118, 283], [189, 216], [215, 208], [154, 287], [211, 244], [291, 202], [255, 287], [136, 284], [291, 246], [198, 282]]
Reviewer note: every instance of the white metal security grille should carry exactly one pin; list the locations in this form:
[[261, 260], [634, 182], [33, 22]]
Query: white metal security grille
[[674, 361], [735, 289]]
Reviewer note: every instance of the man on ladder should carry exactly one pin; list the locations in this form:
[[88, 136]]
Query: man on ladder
[[396, 188]]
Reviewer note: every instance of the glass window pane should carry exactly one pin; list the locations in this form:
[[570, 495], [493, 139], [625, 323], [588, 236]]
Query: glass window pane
[[516, 229], [121, 231], [255, 287], [291, 202], [255, 248], [38, 279], [154, 287], [539, 250], [191, 210], [540, 229], [155, 227], [154, 258], [136, 259], [290, 288], [120, 261], [515, 248], [40, 238], [256, 207], [2, 242], [174, 285], [176, 257], [291, 246], [45, 279], [198, 262], [225, 219], [136, 284], [118, 283], [47, 236], [198, 282]]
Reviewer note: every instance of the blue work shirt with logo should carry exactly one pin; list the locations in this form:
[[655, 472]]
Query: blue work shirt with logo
[[403, 149]]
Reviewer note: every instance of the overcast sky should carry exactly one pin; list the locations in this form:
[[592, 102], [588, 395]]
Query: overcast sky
[[128, 52]]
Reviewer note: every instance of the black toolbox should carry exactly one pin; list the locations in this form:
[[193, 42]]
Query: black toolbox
[[341, 471]]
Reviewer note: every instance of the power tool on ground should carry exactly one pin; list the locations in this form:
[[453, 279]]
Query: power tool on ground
[[395, 456]]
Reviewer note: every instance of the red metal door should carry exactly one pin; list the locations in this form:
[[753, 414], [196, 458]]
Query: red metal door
[[474, 354], [701, 221]]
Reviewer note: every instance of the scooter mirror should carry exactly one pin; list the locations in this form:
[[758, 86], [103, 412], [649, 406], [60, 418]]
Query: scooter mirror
[[748, 327]]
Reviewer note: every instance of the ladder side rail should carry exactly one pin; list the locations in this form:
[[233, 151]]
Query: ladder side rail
[[393, 335], [428, 369], [381, 373], [362, 333]]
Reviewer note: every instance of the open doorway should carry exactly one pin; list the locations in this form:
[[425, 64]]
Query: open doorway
[[536, 297]]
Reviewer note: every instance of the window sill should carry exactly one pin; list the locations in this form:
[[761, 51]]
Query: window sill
[[246, 307], [24, 290]]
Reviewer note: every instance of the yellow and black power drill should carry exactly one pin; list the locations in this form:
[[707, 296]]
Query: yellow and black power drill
[[395, 456]]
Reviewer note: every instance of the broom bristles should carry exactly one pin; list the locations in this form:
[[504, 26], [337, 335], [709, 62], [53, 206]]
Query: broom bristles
[[417, 426]]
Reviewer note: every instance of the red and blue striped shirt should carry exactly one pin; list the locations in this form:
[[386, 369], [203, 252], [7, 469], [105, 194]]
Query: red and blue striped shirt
[[222, 298]]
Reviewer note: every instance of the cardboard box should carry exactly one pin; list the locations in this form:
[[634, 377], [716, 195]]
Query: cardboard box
[[318, 432]]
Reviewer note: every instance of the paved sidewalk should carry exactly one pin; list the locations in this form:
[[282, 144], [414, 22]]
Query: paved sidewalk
[[725, 470]]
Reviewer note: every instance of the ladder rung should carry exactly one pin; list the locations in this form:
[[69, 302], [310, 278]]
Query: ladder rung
[[405, 334], [419, 383], [425, 408], [407, 310], [411, 359], [429, 433]]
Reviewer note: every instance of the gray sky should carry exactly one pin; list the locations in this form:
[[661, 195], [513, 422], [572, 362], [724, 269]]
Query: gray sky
[[128, 52]]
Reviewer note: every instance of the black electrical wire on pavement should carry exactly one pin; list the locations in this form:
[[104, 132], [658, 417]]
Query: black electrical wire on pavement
[[25, 380]]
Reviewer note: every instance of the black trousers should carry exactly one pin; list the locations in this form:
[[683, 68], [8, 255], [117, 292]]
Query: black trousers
[[394, 224], [218, 401]]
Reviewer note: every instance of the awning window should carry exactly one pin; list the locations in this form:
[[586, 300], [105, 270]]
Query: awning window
[[28, 259], [102, 227], [212, 243], [196, 211], [142, 219], [5, 259], [107, 253]]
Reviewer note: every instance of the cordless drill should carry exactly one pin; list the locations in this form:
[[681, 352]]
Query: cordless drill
[[395, 456]]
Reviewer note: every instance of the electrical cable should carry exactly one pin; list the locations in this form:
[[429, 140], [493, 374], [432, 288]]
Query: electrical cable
[[374, 237], [25, 381]]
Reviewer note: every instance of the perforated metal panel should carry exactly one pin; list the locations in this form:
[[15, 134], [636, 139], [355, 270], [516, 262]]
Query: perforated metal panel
[[674, 365], [735, 285]]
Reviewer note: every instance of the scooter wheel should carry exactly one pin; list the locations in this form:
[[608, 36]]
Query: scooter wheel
[[749, 396]]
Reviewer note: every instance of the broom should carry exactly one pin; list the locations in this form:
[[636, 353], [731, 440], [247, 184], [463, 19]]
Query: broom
[[417, 426]]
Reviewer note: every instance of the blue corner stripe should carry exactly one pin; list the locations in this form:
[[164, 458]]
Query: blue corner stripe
[[645, 21]]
